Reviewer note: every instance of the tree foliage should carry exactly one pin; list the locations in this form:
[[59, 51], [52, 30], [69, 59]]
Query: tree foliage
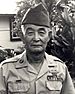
[[62, 44]]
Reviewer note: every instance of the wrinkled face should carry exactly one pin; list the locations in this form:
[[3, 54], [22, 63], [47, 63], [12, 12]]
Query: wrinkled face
[[36, 38]]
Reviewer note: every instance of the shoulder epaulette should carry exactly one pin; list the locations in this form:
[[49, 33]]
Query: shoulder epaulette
[[11, 60], [54, 58]]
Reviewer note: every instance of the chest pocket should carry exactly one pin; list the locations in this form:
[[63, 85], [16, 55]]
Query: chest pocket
[[18, 87], [54, 85]]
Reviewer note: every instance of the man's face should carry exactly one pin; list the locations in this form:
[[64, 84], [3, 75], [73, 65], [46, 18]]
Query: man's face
[[36, 38]]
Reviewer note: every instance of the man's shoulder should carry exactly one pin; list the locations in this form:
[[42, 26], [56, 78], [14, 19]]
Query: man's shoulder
[[54, 60], [11, 60]]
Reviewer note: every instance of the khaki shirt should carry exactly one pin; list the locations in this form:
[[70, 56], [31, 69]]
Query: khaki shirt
[[17, 76]]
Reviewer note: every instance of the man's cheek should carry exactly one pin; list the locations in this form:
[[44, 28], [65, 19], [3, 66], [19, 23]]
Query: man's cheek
[[45, 40]]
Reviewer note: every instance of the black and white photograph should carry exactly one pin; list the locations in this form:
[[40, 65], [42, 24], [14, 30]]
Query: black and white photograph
[[37, 46]]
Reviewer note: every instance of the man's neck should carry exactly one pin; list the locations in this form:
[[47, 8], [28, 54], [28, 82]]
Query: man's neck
[[35, 57]]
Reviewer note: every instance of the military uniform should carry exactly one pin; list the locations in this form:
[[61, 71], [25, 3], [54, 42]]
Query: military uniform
[[17, 76]]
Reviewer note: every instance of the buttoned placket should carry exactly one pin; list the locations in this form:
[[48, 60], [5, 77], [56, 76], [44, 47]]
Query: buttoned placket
[[43, 71], [36, 76]]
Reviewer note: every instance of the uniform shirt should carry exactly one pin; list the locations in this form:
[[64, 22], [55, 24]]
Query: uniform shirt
[[17, 76]]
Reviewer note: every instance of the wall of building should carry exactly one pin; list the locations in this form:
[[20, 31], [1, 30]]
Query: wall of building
[[5, 34]]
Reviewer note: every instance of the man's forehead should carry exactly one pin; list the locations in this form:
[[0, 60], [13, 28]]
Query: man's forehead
[[34, 26]]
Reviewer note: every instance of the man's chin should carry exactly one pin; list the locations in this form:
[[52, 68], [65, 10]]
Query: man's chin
[[36, 51]]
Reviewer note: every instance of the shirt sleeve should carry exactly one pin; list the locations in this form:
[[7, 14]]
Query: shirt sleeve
[[68, 87], [2, 82]]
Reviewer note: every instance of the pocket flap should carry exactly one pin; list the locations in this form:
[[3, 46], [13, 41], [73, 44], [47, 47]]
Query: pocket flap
[[18, 87], [54, 85]]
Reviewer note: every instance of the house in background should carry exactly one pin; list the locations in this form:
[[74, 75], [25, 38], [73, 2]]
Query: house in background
[[6, 27], [8, 9]]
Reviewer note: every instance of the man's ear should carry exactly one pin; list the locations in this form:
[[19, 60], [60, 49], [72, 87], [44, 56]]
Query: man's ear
[[50, 35], [21, 35]]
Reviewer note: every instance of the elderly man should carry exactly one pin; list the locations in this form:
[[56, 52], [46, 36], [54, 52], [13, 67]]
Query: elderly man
[[34, 71]]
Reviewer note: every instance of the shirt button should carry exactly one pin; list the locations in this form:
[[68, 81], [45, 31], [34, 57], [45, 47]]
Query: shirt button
[[21, 61]]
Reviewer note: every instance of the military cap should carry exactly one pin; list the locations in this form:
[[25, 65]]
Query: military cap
[[37, 15]]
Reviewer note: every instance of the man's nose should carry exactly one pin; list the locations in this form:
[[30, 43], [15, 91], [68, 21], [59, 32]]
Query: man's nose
[[36, 36]]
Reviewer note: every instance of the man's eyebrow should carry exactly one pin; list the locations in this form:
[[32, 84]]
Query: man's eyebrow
[[42, 29], [29, 28]]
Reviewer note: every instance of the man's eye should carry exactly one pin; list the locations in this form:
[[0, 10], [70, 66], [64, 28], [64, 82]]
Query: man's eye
[[30, 33], [42, 32]]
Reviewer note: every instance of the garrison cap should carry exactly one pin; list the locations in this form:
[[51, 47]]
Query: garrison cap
[[37, 15]]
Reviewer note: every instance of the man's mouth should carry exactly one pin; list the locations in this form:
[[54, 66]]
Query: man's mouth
[[36, 45]]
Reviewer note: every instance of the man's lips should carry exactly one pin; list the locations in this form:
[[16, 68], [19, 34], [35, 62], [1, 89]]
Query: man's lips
[[36, 45]]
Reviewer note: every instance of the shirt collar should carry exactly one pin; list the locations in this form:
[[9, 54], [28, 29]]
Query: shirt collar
[[22, 62]]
